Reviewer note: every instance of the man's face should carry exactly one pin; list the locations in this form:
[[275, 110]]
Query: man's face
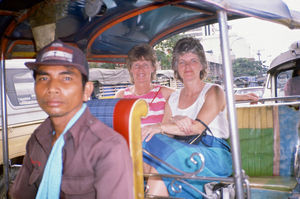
[[59, 91]]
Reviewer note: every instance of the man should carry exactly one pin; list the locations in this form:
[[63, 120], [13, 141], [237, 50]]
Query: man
[[71, 154]]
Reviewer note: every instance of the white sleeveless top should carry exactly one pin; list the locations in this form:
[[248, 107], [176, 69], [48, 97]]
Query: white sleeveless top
[[219, 126]]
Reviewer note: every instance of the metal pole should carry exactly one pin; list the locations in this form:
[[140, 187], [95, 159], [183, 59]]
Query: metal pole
[[4, 126], [227, 70]]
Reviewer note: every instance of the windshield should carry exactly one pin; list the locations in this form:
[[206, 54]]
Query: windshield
[[292, 86], [286, 84]]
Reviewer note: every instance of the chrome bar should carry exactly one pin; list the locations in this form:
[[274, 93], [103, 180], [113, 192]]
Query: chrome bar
[[294, 98], [195, 189], [248, 192], [227, 71], [178, 170], [4, 126], [203, 178], [286, 98]]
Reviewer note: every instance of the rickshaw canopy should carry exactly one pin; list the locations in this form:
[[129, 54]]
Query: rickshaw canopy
[[107, 29], [286, 60]]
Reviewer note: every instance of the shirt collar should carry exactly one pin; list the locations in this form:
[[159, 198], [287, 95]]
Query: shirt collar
[[44, 132], [77, 131]]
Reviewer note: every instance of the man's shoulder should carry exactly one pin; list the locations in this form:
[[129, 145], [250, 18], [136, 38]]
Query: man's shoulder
[[41, 136], [44, 127]]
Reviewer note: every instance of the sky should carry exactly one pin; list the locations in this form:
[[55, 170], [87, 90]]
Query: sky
[[269, 38]]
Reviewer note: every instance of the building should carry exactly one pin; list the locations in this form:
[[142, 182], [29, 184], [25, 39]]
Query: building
[[209, 38]]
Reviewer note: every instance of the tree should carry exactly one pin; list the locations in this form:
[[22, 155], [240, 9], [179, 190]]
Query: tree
[[247, 67], [164, 51]]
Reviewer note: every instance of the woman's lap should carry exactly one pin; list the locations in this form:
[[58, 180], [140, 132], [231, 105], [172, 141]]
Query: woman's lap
[[218, 162]]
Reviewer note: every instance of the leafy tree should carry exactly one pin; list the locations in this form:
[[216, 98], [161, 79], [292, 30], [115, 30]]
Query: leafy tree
[[247, 67], [164, 51]]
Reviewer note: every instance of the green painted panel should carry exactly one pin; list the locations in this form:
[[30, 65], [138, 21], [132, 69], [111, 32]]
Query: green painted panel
[[257, 151]]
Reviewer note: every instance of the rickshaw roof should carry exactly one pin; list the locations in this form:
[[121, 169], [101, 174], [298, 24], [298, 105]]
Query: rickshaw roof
[[116, 26], [286, 60]]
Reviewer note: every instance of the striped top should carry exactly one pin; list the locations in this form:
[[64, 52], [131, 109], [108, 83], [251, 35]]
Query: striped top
[[156, 103]]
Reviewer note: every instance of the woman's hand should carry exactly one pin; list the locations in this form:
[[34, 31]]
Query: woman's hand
[[150, 130], [184, 123], [252, 97]]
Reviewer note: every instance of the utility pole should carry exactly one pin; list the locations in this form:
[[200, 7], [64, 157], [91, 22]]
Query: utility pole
[[258, 54]]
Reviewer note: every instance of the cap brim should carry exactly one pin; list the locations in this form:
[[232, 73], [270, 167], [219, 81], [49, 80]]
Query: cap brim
[[35, 65]]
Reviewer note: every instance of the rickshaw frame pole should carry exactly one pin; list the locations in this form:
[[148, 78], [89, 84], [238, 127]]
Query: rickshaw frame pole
[[228, 80], [4, 126]]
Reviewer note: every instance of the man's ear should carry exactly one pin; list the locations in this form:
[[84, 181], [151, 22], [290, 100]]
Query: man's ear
[[88, 89]]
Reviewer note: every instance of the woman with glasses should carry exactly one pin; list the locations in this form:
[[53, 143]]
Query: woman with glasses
[[141, 65], [184, 130]]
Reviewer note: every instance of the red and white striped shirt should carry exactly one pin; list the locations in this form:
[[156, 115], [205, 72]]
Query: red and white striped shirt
[[156, 103]]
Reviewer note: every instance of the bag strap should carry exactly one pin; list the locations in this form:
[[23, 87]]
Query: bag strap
[[203, 132], [155, 95], [206, 127]]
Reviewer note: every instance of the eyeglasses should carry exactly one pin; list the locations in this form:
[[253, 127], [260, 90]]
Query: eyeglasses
[[143, 66], [188, 62]]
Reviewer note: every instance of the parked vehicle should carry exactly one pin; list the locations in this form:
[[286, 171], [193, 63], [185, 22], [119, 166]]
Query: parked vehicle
[[280, 72]]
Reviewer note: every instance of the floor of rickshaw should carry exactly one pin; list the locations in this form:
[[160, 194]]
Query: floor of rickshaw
[[275, 187]]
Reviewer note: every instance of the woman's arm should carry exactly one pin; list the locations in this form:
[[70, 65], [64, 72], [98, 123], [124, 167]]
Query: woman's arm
[[214, 104], [252, 97], [167, 126], [166, 92], [183, 125]]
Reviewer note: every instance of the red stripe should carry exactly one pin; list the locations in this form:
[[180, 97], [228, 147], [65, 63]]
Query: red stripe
[[152, 119], [157, 106], [60, 48]]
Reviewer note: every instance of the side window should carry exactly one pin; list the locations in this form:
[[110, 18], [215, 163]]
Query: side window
[[292, 86], [20, 87], [282, 81]]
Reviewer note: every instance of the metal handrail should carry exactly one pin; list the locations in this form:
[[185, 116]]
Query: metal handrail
[[192, 176], [294, 98], [285, 98], [178, 170]]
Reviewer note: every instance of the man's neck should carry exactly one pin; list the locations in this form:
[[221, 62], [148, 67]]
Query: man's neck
[[59, 125]]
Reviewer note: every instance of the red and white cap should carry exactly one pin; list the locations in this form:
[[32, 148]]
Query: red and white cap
[[59, 53]]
